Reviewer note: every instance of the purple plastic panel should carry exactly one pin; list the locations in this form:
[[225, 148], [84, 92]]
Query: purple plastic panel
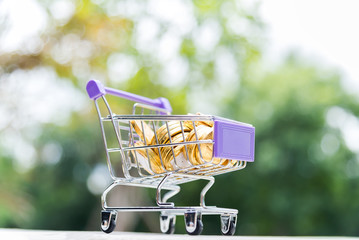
[[233, 140], [96, 89]]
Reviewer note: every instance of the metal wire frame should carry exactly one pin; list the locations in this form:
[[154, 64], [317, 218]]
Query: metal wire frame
[[167, 180], [122, 123]]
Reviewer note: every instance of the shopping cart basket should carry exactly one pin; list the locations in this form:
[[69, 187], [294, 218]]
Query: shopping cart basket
[[161, 151]]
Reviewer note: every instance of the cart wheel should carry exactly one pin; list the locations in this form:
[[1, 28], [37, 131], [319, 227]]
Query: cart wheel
[[228, 224], [167, 223], [108, 221], [193, 222]]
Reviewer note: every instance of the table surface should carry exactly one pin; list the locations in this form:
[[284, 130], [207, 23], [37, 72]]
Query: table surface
[[21, 234]]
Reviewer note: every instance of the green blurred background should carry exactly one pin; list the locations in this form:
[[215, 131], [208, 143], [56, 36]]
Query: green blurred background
[[204, 56]]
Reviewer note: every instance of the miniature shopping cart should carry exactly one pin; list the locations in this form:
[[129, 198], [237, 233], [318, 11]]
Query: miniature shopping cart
[[231, 145]]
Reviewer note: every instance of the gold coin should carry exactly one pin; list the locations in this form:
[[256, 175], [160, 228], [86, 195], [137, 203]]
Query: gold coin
[[201, 132], [192, 131], [208, 123], [207, 151], [204, 153], [162, 132], [167, 153], [197, 123], [174, 128], [176, 136], [228, 162], [147, 134], [151, 157]]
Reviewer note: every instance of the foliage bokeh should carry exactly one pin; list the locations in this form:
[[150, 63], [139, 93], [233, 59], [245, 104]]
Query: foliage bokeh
[[206, 58]]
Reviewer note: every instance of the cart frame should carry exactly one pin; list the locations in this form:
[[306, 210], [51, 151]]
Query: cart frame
[[136, 175]]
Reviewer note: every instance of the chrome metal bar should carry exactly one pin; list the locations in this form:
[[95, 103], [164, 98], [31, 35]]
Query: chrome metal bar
[[141, 105], [124, 160], [171, 145], [205, 190], [109, 165], [132, 143], [185, 145], [176, 210], [156, 138], [161, 158], [160, 145], [163, 117], [170, 194], [198, 145], [118, 183], [159, 202]]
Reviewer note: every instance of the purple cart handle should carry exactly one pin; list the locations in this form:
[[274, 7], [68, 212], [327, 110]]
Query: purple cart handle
[[96, 89]]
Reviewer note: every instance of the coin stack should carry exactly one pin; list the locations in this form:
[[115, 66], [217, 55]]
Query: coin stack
[[177, 156], [148, 158]]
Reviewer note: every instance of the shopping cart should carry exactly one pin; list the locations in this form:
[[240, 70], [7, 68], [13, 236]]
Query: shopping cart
[[137, 144]]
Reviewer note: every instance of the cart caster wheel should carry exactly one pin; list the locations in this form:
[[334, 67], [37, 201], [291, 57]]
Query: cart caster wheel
[[228, 224], [108, 221], [193, 222], [167, 223]]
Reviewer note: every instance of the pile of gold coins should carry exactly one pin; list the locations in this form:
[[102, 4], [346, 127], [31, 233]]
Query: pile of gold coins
[[179, 156]]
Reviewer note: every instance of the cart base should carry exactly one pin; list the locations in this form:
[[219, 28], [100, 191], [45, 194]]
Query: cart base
[[192, 217], [192, 214]]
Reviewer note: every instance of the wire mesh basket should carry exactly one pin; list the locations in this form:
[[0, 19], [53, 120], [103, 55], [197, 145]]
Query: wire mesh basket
[[158, 150]]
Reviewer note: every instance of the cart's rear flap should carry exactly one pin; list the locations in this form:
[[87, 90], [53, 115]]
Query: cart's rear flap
[[233, 141]]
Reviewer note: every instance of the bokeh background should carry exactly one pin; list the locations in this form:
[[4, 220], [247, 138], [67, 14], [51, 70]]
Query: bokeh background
[[237, 59]]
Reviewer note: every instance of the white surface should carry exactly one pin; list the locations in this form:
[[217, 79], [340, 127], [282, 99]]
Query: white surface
[[19, 234]]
